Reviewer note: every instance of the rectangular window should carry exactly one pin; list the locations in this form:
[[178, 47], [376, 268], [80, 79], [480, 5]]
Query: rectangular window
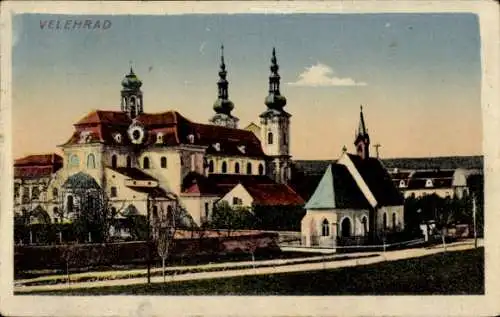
[[207, 210], [113, 192], [237, 201]]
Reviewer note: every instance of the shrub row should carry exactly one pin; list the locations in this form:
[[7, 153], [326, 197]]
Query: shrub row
[[92, 255]]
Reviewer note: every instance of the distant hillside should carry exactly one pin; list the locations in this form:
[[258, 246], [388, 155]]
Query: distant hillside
[[313, 167]]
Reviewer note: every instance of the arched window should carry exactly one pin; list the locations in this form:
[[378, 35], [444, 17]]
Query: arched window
[[394, 220], [385, 221], [285, 141], [114, 161], [129, 162], [364, 221], [163, 162], [211, 166], [261, 169], [236, 168], [70, 206], [74, 161], [325, 228], [224, 167], [270, 138], [55, 193], [155, 212], [35, 193], [145, 163], [55, 212], [91, 161], [249, 168]]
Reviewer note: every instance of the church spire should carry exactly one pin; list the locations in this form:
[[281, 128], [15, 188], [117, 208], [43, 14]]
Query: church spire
[[362, 128], [223, 106], [275, 100], [362, 141]]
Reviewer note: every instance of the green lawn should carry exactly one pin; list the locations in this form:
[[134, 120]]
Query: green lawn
[[450, 273]]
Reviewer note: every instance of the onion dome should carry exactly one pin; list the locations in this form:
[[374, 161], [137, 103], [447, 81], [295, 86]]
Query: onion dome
[[131, 81]]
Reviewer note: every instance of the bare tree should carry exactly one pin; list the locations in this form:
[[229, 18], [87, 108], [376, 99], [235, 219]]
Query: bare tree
[[164, 228]]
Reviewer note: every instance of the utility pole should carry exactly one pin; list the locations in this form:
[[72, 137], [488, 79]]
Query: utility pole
[[376, 148], [148, 242], [474, 207]]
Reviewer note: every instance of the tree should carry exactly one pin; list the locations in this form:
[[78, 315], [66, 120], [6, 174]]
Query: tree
[[226, 217], [164, 228], [165, 224]]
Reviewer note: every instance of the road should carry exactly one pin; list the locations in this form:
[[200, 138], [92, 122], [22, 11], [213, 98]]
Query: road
[[328, 264]]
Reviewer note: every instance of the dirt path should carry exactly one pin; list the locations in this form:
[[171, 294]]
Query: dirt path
[[328, 264]]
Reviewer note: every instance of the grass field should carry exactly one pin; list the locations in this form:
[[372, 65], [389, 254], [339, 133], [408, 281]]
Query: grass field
[[451, 273]]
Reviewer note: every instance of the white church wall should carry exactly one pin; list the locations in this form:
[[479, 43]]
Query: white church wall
[[238, 197], [389, 211], [231, 162], [312, 227]]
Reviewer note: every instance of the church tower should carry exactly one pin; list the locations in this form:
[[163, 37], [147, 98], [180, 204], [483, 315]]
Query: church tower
[[362, 139], [131, 95], [223, 106], [275, 128]]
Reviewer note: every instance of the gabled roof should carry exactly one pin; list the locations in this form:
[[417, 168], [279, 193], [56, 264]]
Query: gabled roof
[[337, 189], [378, 180], [273, 194]]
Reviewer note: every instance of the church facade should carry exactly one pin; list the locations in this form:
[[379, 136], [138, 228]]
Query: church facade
[[355, 200], [158, 161]]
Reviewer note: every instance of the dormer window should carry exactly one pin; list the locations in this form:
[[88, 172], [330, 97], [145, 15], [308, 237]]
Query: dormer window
[[191, 138], [428, 183], [118, 137], [402, 183], [84, 137], [217, 147], [159, 138], [242, 149]]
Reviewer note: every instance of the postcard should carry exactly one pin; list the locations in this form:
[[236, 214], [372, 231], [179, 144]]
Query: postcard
[[249, 158]]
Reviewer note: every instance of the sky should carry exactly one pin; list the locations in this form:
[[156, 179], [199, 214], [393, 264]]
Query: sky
[[418, 76]]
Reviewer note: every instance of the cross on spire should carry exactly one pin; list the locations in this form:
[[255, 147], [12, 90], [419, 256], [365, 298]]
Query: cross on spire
[[376, 146]]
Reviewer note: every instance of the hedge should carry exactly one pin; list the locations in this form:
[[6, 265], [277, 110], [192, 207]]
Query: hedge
[[123, 253]]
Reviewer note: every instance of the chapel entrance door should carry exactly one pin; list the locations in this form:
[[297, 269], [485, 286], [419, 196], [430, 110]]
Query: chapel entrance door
[[346, 227]]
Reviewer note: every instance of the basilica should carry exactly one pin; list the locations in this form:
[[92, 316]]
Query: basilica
[[135, 157], [156, 162]]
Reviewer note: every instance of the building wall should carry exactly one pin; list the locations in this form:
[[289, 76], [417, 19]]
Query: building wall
[[83, 153], [312, 226], [232, 160], [389, 211], [199, 207], [244, 199], [441, 192]]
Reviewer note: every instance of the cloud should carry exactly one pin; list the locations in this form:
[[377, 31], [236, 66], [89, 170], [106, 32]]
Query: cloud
[[321, 75], [202, 48]]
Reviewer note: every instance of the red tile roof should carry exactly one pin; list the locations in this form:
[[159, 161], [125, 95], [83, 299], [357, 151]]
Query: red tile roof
[[273, 195], [36, 166], [263, 190], [176, 129], [39, 160]]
